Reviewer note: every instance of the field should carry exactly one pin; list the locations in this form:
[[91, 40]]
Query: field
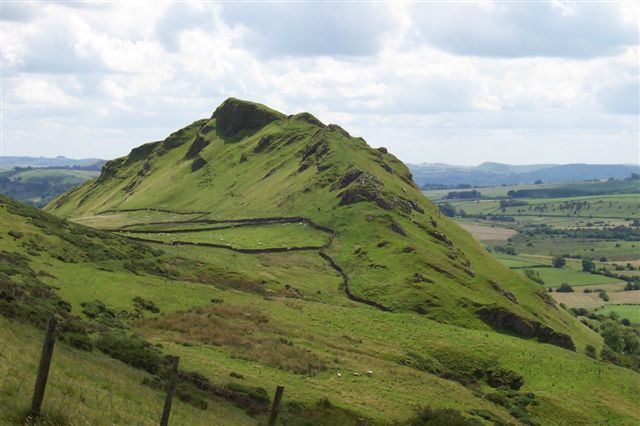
[[246, 237], [630, 312], [596, 223], [38, 186]]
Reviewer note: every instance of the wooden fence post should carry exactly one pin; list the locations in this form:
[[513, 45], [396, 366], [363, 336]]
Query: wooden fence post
[[275, 408], [43, 369], [173, 373]]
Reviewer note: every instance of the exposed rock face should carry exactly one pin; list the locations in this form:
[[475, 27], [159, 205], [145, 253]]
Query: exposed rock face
[[347, 179], [314, 151], [503, 291], [504, 320], [198, 145], [198, 163], [397, 228], [309, 118], [235, 115]]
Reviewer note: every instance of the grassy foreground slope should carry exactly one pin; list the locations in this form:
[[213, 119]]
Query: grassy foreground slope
[[397, 251], [284, 321]]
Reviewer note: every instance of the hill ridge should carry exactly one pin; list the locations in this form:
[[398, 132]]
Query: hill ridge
[[249, 161]]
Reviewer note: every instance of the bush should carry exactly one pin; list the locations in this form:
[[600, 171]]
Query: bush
[[79, 341], [16, 234], [421, 363], [588, 265], [534, 276], [604, 296], [565, 288], [144, 304], [590, 351], [558, 262], [133, 350], [448, 417]]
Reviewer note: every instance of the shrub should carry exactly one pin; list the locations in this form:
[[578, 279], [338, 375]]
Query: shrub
[[590, 351], [604, 296], [588, 265], [558, 262], [565, 288], [16, 234], [534, 276], [144, 304], [419, 362], [133, 350], [430, 416], [79, 341]]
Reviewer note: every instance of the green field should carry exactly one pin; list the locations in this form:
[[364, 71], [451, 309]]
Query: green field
[[630, 312], [39, 186], [248, 237]]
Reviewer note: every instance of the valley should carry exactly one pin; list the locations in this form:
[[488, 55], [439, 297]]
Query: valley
[[593, 226]]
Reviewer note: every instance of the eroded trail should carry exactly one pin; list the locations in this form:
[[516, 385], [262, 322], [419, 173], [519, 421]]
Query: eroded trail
[[243, 222]]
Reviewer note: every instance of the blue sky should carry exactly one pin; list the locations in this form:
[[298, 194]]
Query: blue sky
[[463, 83]]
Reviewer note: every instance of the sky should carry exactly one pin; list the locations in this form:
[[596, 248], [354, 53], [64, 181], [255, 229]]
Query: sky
[[459, 83]]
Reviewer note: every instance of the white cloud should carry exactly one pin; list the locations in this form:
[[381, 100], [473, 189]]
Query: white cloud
[[489, 82]]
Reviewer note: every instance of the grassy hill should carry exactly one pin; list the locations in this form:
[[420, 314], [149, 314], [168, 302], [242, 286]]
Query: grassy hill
[[266, 249], [244, 322], [38, 186], [250, 162]]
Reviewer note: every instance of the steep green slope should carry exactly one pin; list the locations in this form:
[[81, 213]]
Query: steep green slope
[[396, 250], [249, 321]]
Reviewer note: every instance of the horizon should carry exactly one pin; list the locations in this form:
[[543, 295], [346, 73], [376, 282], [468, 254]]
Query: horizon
[[440, 83]]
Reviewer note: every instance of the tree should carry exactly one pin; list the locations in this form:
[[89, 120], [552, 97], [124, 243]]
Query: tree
[[447, 209], [588, 265], [558, 262], [565, 288]]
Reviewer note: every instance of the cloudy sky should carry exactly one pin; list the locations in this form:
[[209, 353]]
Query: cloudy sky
[[462, 83]]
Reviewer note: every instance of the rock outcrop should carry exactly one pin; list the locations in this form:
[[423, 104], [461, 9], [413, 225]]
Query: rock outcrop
[[503, 320]]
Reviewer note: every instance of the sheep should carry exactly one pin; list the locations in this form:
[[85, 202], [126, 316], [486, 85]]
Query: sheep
[[369, 373], [339, 374], [356, 374]]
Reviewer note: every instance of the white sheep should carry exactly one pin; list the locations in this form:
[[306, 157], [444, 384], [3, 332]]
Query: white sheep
[[339, 374], [369, 373], [356, 374]]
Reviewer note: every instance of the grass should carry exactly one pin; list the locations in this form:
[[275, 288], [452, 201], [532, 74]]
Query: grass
[[284, 318], [88, 388], [303, 340], [553, 277], [39, 186], [249, 237], [630, 312]]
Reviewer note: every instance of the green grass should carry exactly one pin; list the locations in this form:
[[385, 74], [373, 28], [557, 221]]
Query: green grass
[[284, 318], [39, 186], [630, 312], [307, 314], [88, 388], [553, 277], [249, 237]]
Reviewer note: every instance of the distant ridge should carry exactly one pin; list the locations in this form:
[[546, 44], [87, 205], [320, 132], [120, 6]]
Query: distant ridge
[[9, 162], [490, 173]]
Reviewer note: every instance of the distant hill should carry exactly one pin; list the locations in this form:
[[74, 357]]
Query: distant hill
[[8, 162], [38, 186], [491, 174], [38, 180]]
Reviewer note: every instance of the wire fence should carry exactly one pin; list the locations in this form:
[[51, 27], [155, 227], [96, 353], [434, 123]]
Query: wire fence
[[95, 402]]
